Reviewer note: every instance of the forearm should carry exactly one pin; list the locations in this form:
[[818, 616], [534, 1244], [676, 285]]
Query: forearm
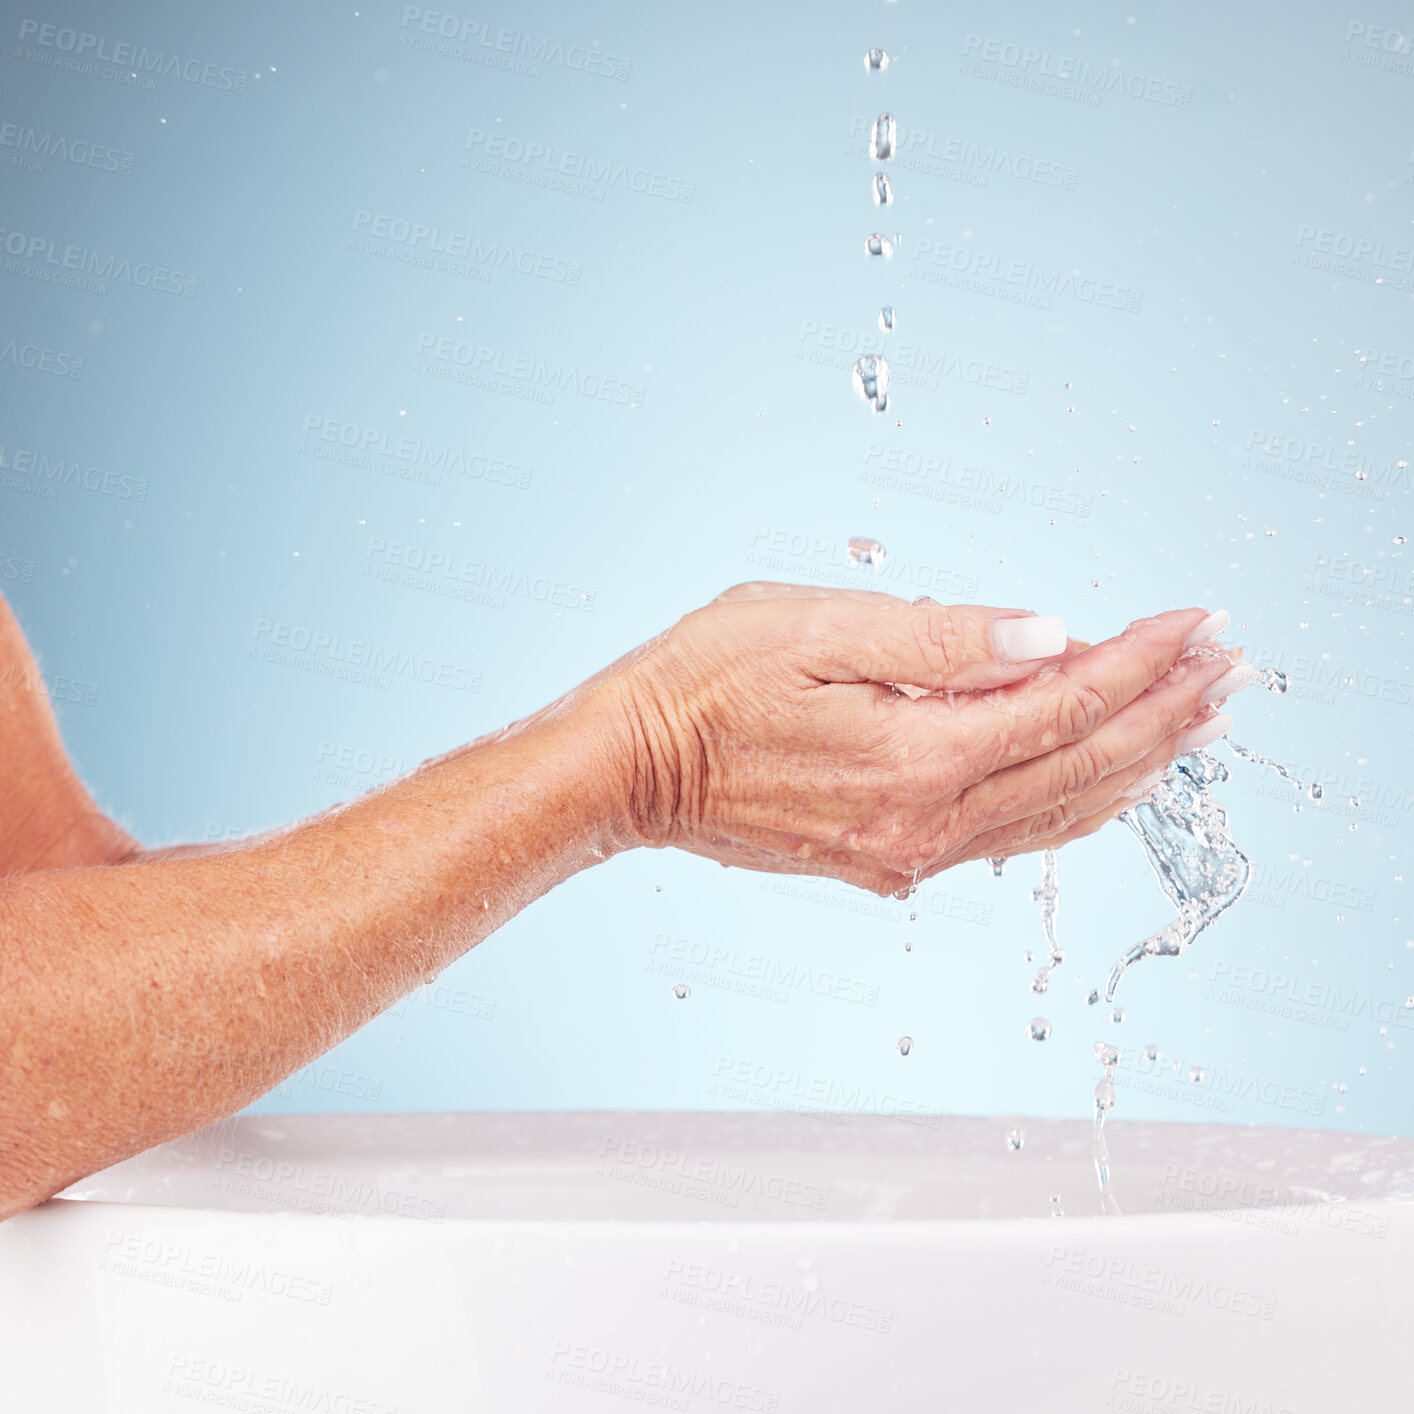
[[139, 1001]]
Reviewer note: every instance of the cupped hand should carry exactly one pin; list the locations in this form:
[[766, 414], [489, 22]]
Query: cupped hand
[[802, 730]]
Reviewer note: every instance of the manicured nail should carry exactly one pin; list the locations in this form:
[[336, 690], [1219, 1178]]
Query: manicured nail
[[1234, 680], [1209, 628], [1021, 640], [1204, 734]]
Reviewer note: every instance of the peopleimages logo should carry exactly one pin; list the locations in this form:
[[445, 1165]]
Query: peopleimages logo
[[49, 471], [438, 32], [420, 244], [79, 50], [42, 257], [56, 361], [939, 261], [1089, 79], [542, 161], [334, 656], [26, 147], [475, 364], [354, 444]]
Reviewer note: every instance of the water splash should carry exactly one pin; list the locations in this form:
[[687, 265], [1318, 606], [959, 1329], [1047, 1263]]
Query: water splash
[[871, 380], [863, 551], [1184, 832], [883, 138], [1047, 894], [1108, 1057], [1257, 759]]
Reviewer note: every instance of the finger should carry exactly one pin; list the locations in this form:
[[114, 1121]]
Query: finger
[[756, 589], [1159, 715], [1066, 703], [1106, 799], [1092, 824], [958, 647]]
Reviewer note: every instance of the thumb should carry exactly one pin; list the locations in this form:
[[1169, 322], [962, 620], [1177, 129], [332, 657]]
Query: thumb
[[932, 646]]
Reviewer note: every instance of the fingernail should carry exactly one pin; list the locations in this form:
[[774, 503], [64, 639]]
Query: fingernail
[[1021, 640], [1234, 680], [1209, 628], [1204, 734]]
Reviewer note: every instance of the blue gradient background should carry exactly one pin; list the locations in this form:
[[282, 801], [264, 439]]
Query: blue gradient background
[[747, 454]]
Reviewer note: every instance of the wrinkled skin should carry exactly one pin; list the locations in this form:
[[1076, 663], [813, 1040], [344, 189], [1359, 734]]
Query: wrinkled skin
[[801, 730]]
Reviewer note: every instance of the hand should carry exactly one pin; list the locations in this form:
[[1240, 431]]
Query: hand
[[770, 729]]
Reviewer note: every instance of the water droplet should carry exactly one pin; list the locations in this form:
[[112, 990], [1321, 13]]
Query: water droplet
[[1340, 1089], [1039, 1029], [1106, 1054], [998, 867], [886, 323], [908, 945], [876, 61], [913, 918], [1151, 1054], [1041, 981], [878, 245], [1117, 1015], [1360, 476], [1315, 790], [905, 1045], [986, 422], [1015, 1139], [1093, 998], [1355, 801], [1362, 1070], [657, 888], [428, 978], [1270, 532], [1273, 679], [883, 138], [861, 551], [1397, 540], [1195, 1074], [871, 380], [1094, 584], [1409, 1005], [882, 189], [682, 990]]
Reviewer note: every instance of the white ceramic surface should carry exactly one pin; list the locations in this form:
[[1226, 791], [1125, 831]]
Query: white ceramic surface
[[697, 1262]]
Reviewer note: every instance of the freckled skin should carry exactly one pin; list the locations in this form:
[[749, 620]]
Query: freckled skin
[[145, 993]]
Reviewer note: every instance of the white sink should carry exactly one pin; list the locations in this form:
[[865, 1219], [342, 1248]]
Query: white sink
[[698, 1262]]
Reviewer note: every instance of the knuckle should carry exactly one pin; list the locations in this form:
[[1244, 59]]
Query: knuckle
[[1054, 821], [1080, 711], [937, 633], [1080, 768]]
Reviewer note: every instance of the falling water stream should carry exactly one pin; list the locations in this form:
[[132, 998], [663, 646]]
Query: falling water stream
[[1184, 831]]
